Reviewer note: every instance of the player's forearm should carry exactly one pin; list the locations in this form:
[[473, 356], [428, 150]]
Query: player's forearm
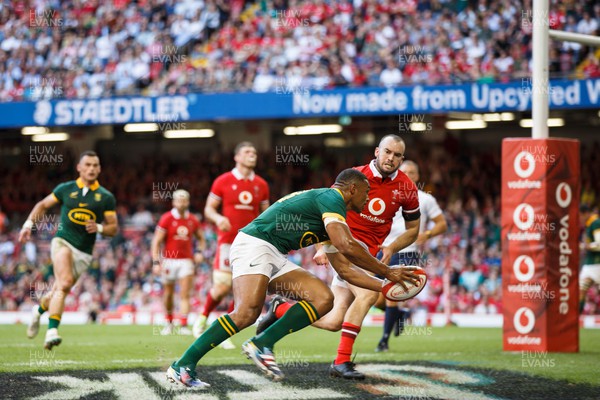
[[405, 240], [360, 257], [36, 213], [109, 229], [359, 278], [438, 229], [155, 249], [212, 215]]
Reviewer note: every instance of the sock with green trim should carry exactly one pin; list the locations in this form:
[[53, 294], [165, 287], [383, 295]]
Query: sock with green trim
[[41, 309], [54, 321], [300, 315], [221, 329]]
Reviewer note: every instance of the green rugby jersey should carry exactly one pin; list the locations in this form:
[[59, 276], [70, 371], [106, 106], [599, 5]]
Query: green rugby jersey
[[76, 209], [592, 228], [296, 220]]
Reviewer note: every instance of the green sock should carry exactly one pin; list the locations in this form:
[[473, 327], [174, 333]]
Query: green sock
[[299, 316], [54, 321], [41, 309], [220, 330]]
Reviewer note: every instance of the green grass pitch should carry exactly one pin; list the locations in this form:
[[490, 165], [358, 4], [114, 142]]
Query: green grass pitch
[[102, 347]]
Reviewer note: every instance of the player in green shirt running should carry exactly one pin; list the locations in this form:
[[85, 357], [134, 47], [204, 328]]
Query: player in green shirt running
[[86, 210], [259, 265], [590, 271]]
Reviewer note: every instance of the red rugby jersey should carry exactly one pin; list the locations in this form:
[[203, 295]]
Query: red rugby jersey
[[386, 197], [240, 200], [179, 233]]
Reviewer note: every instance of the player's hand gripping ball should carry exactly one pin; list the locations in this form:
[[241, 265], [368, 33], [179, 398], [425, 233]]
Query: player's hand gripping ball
[[395, 292]]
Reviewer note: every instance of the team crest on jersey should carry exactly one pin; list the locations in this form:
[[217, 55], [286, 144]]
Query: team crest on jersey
[[97, 196], [73, 195], [396, 195], [376, 206]]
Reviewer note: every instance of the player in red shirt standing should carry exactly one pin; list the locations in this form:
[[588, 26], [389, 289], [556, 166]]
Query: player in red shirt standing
[[176, 228], [391, 190], [241, 195]]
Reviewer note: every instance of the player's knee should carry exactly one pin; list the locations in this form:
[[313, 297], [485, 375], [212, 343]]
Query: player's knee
[[65, 284], [324, 303], [246, 315]]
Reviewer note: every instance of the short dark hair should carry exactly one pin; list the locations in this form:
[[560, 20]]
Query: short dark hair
[[88, 153], [395, 138], [350, 176], [241, 145]]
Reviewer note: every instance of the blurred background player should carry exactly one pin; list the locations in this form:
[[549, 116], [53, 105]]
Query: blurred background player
[[86, 209], [175, 228], [242, 196], [430, 212], [590, 271], [389, 191]]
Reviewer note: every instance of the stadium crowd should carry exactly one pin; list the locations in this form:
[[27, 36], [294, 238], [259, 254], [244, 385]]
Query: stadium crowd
[[90, 48], [464, 182]]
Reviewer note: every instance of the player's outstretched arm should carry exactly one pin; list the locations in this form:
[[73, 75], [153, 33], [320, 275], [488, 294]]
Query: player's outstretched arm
[[340, 237], [211, 214], [39, 209], [157, 240], [353, 275]]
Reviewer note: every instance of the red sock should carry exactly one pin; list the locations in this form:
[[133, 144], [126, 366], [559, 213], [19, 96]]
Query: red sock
[[209, 305], [170, 318], [281, 309], [231, 307], [349, 334], [183, 320]]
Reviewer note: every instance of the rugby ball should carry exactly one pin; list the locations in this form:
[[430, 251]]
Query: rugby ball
[[395, 292]]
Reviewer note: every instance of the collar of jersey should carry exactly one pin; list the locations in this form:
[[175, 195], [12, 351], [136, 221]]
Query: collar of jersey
[[238, 175], [81, 185], [177, 215], [591, 219], [377, 174], [339, 191]]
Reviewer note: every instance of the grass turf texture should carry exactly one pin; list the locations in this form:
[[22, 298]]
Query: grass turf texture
[[101, 347]]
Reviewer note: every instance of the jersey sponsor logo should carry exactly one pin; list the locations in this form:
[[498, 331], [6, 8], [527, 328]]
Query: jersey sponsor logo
[[83, 204], [376, 206], [308, 239], [245, 197], [80, 216], [182, 232]]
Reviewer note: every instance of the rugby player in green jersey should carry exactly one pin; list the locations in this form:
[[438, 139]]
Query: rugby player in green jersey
[[590, 271], [86, 210], [259, 265]]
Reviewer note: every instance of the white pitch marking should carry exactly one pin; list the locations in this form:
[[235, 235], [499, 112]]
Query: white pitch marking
[[265, 389], [181, 393]]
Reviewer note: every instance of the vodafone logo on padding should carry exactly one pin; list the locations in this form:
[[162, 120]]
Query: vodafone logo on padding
[[524, 164], [564, 194], [376, 206], [524, 320], [524, 216], [245, 197], [527, 262]]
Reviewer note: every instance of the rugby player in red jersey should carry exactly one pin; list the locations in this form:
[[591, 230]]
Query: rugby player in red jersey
[[241, 196], [176, 228]]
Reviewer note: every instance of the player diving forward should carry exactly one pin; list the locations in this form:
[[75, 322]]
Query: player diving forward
[[390, 190], [259, 264]]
